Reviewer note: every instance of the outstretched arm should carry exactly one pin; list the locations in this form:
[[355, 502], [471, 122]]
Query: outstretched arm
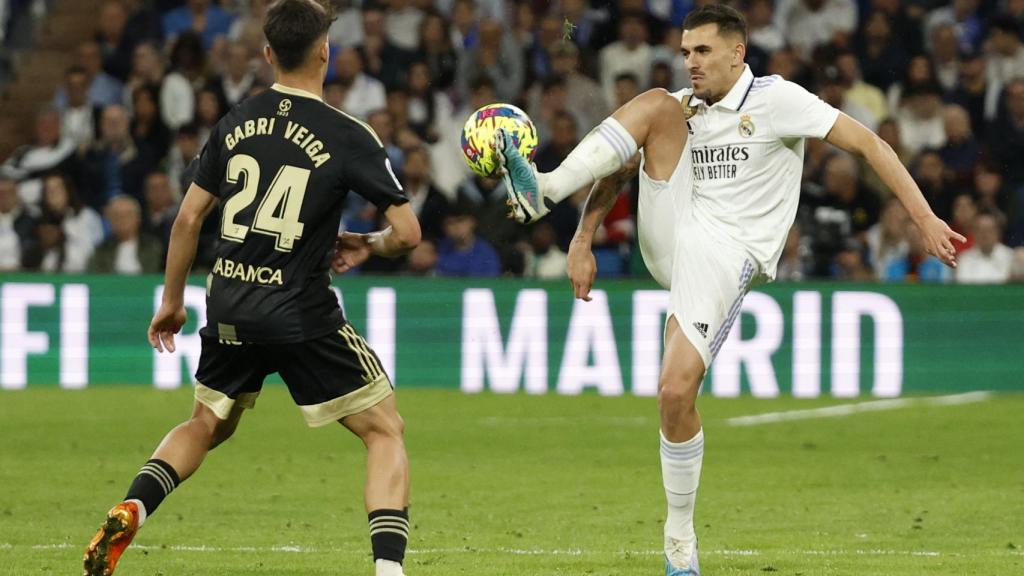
[[399, 238], [582, 267], [852, 136]]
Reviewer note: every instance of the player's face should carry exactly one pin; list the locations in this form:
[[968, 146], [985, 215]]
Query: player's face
[[714, 60]]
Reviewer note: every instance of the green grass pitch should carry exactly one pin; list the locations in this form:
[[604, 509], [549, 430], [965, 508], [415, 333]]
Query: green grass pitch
[[524, 485]]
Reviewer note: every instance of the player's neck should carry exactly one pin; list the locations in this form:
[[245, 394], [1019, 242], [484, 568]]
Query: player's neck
[[732, 83], [304, 82]]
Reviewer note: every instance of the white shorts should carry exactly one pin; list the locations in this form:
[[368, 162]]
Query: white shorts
[[707, 277], [709, 280]]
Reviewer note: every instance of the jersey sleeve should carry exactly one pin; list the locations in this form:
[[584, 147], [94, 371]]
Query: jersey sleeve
[[208, 170], [796, 113], [368, 172]]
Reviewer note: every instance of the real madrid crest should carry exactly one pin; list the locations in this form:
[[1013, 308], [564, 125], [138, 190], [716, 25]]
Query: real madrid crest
[[746, 126]]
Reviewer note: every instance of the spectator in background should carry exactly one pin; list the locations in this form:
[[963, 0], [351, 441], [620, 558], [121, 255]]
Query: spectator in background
[[382, 58], [78, 119], [629, 54], [990, 192], [917, 73], [1006, 57], [963, 16], [845, 192], [626, 87], [964, 213], [497, 56], [116, 47], [564, 137], [859, 92], [887, 239], [148, 130], [553, 102], [49, 151], [161, 209], [661, 76], [589, 105], [17, 227], [403, 24], [114, 165], [427, 202], [104, 89], [208, 113], [128, 250], [188, 72], [761, 29], [185, 148], [147, 69], [920, 118], [465, 26], [238, 77], [989, 261], [247, 28], [975, 94], [143, 23], [834, 90], [539, 52], [198, 16], [363, 93], [850, 265], [461, 252], [544, 260], [668, 54], [486, 198], [347, 29], [945, 56], [883, 57], [80, 228], [1007, 135], [429, 110], [917, 266], [808, 24], [960, 152], [934, 180], [436, 50]]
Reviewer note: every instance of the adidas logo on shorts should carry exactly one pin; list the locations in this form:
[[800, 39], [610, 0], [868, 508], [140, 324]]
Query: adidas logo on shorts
[[701, 327]]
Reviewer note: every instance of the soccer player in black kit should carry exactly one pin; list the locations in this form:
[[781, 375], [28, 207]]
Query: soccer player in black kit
[[280, 164]]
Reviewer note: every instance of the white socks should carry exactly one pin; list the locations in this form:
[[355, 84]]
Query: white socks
[[388, 568], [601, 153], [680, 473]]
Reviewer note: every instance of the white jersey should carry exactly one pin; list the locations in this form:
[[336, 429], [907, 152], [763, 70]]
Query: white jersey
[[747, 153]]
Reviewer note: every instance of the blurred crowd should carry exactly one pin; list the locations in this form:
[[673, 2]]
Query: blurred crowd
[[942, 82]]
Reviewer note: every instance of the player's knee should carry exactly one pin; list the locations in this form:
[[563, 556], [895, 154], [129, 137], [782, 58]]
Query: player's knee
[[674, 398]]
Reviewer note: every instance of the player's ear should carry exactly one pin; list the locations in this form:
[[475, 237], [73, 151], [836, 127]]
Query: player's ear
[[325, 51], [739, 54], [267, 55]]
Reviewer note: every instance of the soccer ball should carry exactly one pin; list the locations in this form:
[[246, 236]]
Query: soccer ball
[[479, 133]]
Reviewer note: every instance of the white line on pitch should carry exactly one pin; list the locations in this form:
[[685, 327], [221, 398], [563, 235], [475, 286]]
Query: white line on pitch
[[292, 549], [856, 408]]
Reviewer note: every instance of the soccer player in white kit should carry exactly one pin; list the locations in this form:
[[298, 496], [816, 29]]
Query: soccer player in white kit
[[720, 178]]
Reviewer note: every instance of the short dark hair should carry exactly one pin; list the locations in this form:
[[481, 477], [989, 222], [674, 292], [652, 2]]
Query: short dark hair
[[728, 19], [292, 27]]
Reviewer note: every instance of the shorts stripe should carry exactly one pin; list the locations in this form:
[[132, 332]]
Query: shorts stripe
[[734, 311], [353, 345], [361, 347]]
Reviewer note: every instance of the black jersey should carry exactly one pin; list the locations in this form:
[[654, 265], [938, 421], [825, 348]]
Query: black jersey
[[281, 164]]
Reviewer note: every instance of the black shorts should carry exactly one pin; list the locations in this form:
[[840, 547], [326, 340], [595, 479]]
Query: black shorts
[[329, 378]]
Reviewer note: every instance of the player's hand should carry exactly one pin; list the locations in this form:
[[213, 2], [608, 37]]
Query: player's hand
[[350, 250], [167, 322], [582, 268], [938, 239]]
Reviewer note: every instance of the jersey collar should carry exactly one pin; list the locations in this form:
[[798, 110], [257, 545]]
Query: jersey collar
[[294, 91], [737, 95]]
